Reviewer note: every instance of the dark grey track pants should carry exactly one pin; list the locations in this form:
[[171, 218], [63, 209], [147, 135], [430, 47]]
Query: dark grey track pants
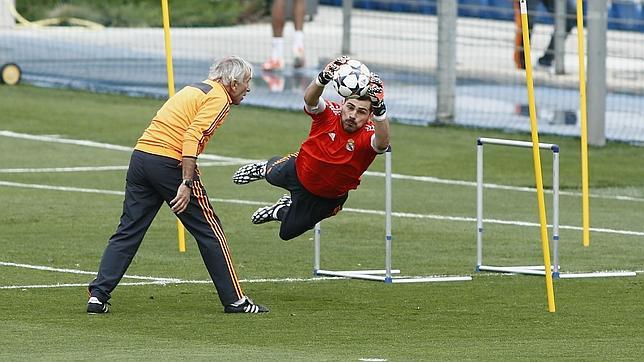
[[151, 180]]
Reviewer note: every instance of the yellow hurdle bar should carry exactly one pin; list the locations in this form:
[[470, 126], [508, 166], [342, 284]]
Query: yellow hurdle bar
[[181, 234], [585, 208], [536, 157]]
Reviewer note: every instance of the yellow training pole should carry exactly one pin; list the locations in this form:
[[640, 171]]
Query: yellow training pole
[[585, 208], [537, 158], [168, 61]]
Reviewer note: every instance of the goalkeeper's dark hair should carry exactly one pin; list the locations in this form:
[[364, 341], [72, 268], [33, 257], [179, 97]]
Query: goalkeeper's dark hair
[[366, 98]]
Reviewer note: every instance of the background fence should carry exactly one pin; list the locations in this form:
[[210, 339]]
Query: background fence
[[623, 14], [396, 38]]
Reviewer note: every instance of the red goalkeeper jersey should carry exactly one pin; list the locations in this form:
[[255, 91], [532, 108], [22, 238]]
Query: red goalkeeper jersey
[[331, 161]]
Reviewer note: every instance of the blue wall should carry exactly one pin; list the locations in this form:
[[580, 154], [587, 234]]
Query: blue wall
[[622, 15]]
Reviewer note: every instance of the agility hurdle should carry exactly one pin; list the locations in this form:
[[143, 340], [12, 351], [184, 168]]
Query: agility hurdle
[[529, 269], [384, 275]]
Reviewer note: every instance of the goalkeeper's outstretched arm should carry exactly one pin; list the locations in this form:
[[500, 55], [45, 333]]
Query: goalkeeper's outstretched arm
[[381, 136], [376, 94], [312, 97], [314, 90]]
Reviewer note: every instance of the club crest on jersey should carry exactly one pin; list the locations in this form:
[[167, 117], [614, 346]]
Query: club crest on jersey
[[332, 135], [351, 145]]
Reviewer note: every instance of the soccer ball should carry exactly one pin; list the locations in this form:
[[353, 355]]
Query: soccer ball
[[351, 79]]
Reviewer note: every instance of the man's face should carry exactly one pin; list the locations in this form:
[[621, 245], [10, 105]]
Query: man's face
[[237, 90], [355, 113]]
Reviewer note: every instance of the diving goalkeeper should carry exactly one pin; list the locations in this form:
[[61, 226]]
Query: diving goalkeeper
[[343, 141]]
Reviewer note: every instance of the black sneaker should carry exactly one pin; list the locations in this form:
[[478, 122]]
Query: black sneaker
[[246, 305], [95, 306], [249, 173], [269, 213], [546, 60]]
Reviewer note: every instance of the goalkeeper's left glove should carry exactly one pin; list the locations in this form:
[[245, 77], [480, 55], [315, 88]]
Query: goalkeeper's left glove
[[376, 94]]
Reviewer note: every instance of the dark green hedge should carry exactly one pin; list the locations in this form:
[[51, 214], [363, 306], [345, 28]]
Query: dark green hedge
[[147, 13]]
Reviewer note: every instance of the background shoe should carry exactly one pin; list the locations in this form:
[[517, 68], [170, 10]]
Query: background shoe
[[249, 173], [269, 213], [273, 64], [246, 305], [546, 60], [95, 306], [298, 57]]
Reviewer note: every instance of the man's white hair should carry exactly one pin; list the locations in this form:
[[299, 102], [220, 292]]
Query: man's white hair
[[230, 68]]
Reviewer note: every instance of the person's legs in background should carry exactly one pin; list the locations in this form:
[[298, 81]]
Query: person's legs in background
[[299, 12], [518, 46], [278, 21], [571, 12]]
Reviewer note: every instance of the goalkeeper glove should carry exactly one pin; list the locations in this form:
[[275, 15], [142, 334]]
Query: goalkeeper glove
[[376, 94], [327, 73]]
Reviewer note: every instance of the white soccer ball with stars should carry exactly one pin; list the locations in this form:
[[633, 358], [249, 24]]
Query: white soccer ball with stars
[[351, 80]]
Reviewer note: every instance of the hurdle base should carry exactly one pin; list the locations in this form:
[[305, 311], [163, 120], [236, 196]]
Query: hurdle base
[[380, 275], [540, 270]]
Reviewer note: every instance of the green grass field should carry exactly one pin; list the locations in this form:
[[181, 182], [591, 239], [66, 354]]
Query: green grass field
[[55, 226]]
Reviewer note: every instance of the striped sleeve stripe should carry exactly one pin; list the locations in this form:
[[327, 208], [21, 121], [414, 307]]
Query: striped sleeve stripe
[[220, 117], [209, 214]]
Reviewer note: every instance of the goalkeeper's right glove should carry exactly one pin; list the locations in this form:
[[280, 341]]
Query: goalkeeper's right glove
[[327, 73], [376, 94]]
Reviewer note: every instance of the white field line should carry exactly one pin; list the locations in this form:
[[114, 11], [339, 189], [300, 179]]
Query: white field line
[[76, 271], [61, 188], [173, 281], [497, 186], [362, 211], [166, 281], [96, 168], [63, 169], [491, 221], [65, 285], [226, 161], [146, 279], [107, 146]]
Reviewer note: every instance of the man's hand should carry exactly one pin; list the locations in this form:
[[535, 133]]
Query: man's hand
[[327, 73], [376, 94], [181, 201]]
